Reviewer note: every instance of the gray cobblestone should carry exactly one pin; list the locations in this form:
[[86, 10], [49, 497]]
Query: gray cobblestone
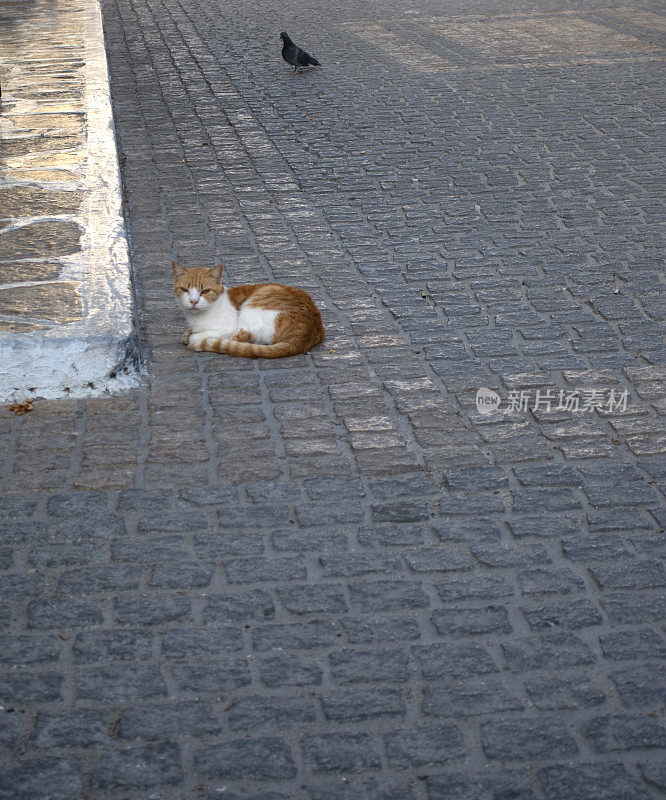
[[314, 539], [363, 704], [633, 645], [381, 536], [422, 747], [539, 652], [224, 544], [654, 772], [335, 752], [196, 643], [6, 558], [468, 786], [471, 621], [63, 614], [21, 587], [119, 683], [180, 576], [212, 677], [586, 781], [65, 555], [254, 604], [387, 595], [154, 722], [313, 599], [318, 633], [256, 713], [29, 649], [641, 686], [12, 727], [454, 660], [150, 610], [364, 630], [112, 645], [261, 758], [469, 699], [149, 549], [572, 692], [172, 521], [46, 778], [476, 587], [622, 732], [362, 790], [349, 564], [289, 671], [543, 738], [88, 528], [629, 574], [138, 768], [98, 579], [574, 614], [34, 687], [12, 506], [253, 570], [628, 608], [80, 727], [379, 665]]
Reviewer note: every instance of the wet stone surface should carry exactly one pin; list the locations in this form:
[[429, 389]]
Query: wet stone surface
[[19, 271], [45, 239], [42, 126], [58, 301], [23, 145], [19, 327], [44, 175], [46, 124], [28, 201]]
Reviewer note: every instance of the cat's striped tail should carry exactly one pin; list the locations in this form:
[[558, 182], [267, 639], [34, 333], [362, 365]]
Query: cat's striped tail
[[247, 349]]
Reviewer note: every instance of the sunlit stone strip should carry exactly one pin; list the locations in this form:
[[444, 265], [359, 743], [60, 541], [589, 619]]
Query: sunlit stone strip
[[535, 37], [410, 54], [643, 19]]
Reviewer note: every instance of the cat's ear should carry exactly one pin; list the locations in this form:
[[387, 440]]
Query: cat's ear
[[178, 269], [216, 272]]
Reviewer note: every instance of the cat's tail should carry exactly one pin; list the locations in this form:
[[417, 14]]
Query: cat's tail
[[248, 349]]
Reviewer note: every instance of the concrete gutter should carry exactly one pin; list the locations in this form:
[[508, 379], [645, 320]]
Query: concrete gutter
[[98, 353]]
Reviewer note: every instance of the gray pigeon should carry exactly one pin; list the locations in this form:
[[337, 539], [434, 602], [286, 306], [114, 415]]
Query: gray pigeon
[[293, 55]]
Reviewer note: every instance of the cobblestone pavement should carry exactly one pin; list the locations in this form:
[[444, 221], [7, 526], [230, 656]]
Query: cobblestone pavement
[[331, 576]]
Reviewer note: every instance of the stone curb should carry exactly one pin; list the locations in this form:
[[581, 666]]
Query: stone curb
[[98, 353]]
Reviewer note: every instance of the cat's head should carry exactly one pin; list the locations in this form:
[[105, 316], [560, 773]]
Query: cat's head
[[196, 288]]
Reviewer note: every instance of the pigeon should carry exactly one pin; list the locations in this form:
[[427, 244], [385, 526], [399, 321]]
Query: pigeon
[[293, 55]]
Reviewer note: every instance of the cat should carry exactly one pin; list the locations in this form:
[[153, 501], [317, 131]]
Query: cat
[[261, 320]]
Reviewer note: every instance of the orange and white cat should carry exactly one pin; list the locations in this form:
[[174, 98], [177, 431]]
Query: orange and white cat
[[261, 320]]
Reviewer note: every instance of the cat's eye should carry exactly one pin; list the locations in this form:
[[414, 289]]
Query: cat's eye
[[206, 291]]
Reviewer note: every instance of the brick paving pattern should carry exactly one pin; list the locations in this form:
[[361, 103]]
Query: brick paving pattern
[[330, 576]]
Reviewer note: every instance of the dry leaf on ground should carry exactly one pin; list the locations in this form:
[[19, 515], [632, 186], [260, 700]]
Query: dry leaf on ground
[[21, 408]]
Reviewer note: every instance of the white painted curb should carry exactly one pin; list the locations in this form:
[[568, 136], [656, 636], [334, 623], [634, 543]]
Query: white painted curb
[[100, 354]]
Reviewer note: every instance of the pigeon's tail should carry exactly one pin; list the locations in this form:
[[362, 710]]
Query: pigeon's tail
[[312, 62]]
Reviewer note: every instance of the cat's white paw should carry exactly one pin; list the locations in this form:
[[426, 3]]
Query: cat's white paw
[[196, 341]]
